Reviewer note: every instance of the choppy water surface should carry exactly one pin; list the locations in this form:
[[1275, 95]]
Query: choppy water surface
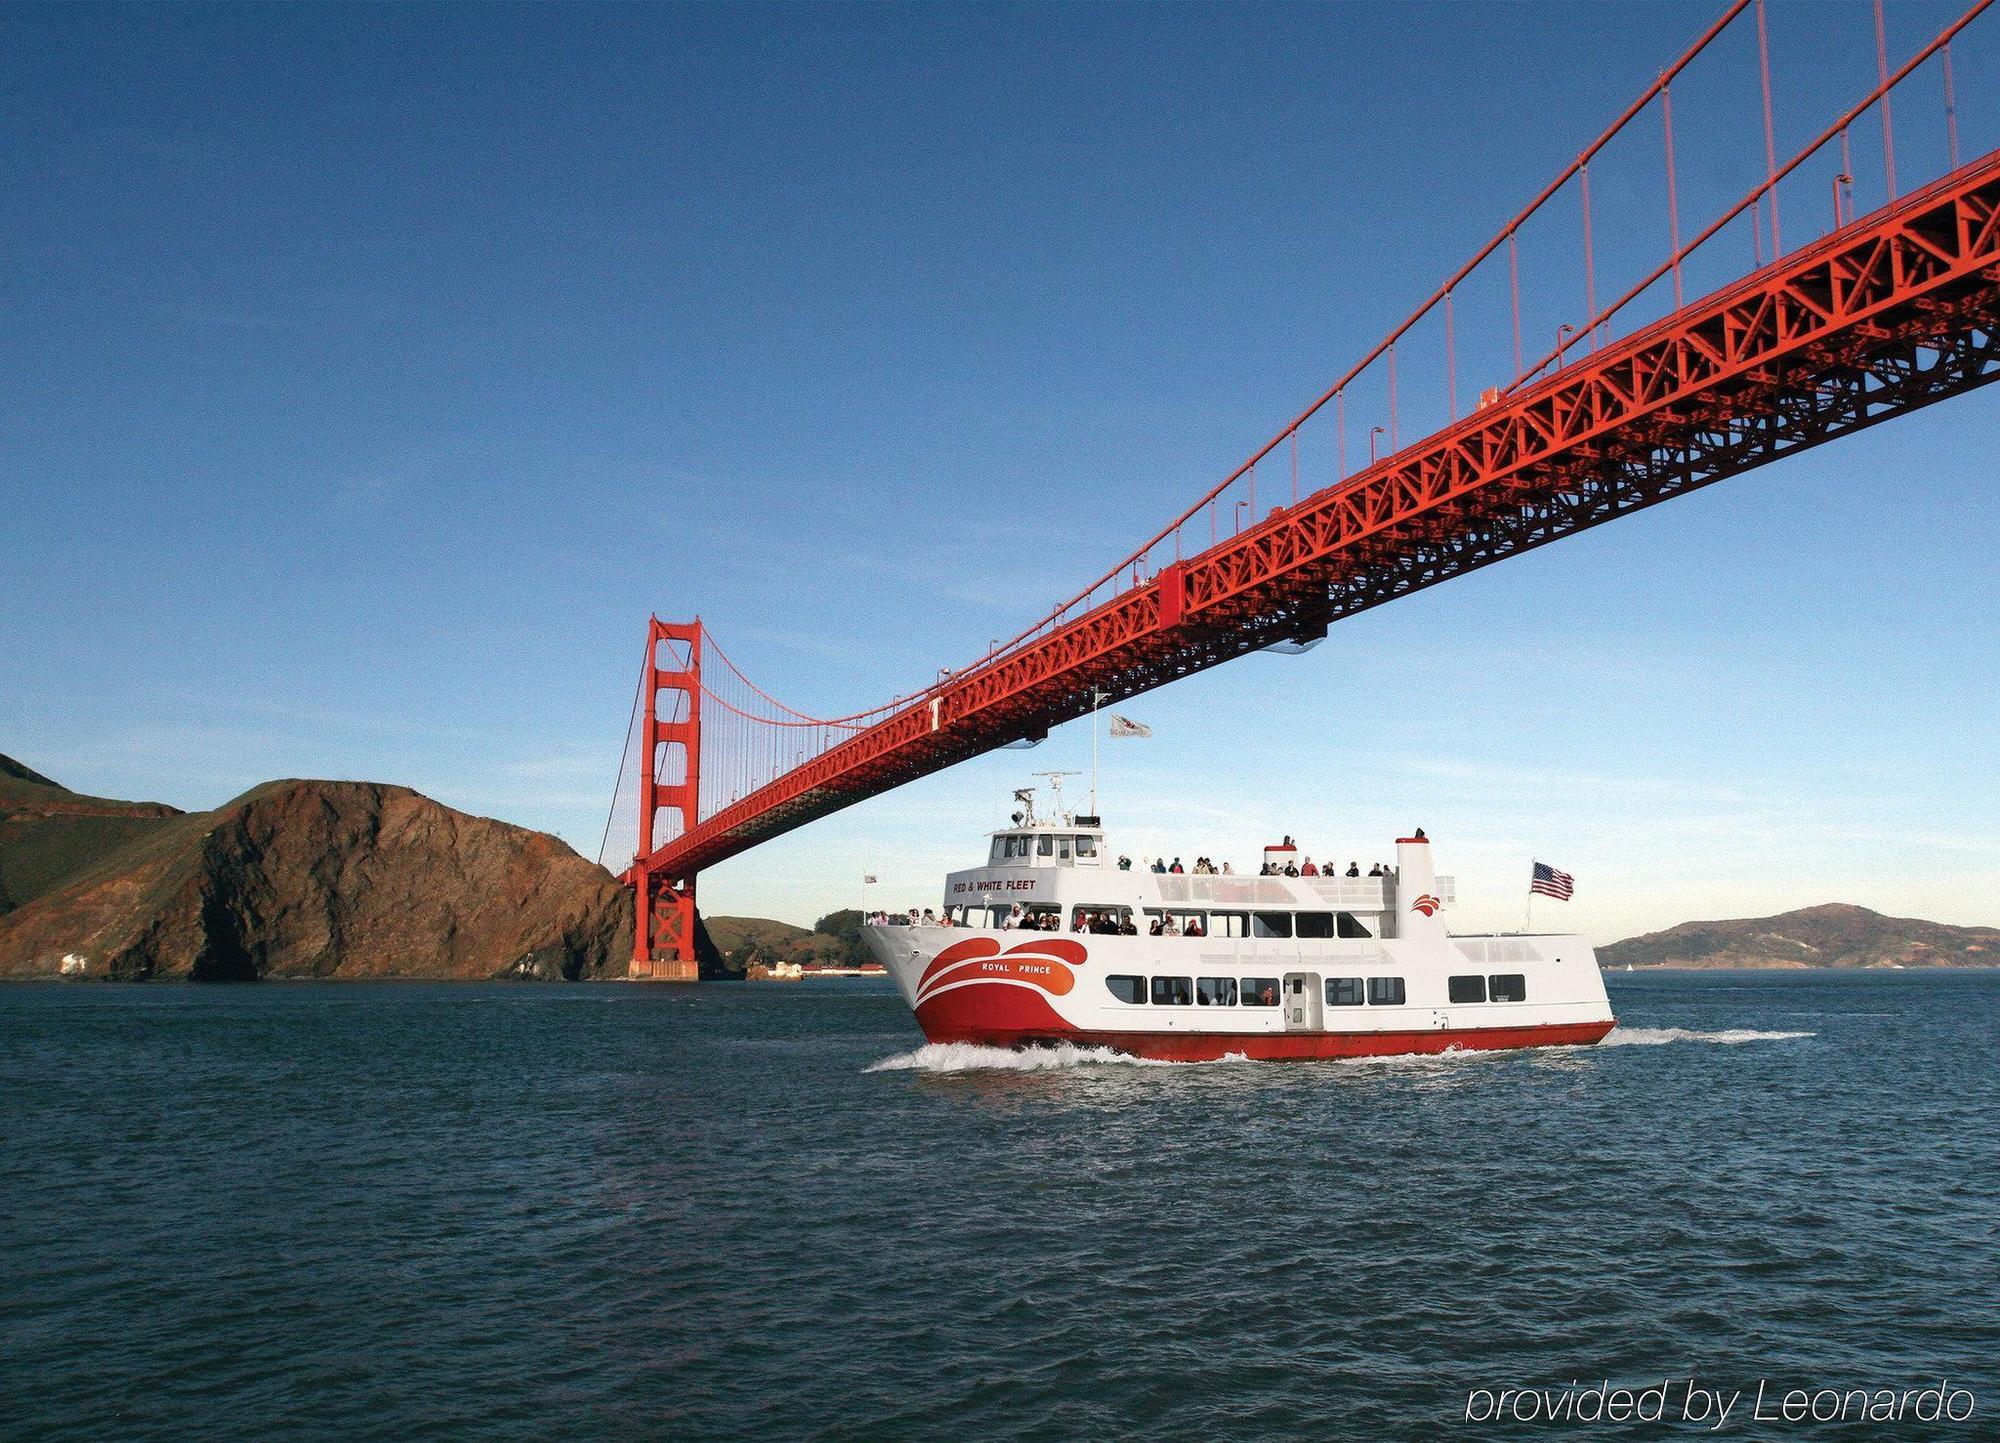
[[763, 1210]]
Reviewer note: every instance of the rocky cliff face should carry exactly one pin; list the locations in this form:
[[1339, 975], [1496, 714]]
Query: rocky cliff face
[[1835, 935], [326, 879]]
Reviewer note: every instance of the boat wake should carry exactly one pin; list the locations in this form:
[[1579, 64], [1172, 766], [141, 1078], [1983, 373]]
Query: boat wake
[[971, 1057], [1657, 1036]]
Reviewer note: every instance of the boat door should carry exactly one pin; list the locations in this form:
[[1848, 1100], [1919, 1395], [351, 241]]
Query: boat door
[[1300, 995]]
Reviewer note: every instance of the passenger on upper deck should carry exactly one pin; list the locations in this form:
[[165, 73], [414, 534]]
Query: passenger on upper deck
[[1376, 870], [1170, 928], [1309, 870], [1159, 864], [1267, 871], [1124, 864], [1226, 871], [1353, 869], [1176, 866]]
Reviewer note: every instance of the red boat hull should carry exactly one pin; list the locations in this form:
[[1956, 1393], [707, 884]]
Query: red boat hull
[[1012, 1017]]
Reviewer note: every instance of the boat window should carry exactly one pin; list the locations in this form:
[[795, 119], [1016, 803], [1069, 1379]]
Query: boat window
[[1127, 989], [999, 848], [1086, 846], [1386, 992], [1192, 924], [1352, 926], [1260, 992], [1045, 918], [1343, 991], [1045, 845], [1315, 924], [1270, 924], [1062, 849], [1228, 924], [1508, 987], [1092, 917], [1017, 846], [1172, 992], [1467, 989], [1215, 991]]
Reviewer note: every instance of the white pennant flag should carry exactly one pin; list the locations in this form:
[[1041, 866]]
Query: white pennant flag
[[1124, 726]]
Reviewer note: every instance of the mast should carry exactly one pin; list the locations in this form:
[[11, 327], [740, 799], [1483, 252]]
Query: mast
[[1096, 701]]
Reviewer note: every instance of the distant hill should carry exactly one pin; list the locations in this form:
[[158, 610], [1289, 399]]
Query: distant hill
[[295, 879], [732, 934], [739, 941], [1834, 935]]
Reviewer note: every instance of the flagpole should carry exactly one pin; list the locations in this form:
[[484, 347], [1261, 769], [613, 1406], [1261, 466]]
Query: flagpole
[[1096, 701], [1528, 926]]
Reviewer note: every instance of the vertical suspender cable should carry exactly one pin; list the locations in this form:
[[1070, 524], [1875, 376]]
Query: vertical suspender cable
[[1770, 138], [1450, 359], [1394, 444], [1950, 108], [1514, 291], [1589, 264], [1882, 74], [1673, 200]]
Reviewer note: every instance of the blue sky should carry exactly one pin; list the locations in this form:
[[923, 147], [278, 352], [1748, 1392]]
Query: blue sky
[[369, 374]]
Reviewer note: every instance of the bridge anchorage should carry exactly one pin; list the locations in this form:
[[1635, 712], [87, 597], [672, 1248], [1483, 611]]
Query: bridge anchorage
[[1880, 315]]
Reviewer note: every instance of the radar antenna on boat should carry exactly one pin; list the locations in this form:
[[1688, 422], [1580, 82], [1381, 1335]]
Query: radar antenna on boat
[[1055, 793]]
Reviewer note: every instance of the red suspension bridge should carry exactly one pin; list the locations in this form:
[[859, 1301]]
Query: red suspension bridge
[[1635, 399]]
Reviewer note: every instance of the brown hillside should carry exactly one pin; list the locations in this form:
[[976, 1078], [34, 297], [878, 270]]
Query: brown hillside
[[326, 879]]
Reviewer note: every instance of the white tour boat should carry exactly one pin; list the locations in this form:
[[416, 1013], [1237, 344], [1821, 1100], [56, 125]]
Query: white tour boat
[[1053, 941]]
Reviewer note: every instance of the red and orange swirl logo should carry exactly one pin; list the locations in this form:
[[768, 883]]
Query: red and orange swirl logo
[[1044, 963]]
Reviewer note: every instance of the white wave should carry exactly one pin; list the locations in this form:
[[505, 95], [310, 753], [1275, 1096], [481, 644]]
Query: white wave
[[972, 1057], [1656, 1036]]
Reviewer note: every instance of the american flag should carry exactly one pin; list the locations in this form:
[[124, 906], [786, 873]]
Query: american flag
[[1551, 883]]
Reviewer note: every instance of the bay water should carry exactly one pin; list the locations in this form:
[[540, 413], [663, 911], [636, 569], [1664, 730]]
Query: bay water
[[768, 1211]]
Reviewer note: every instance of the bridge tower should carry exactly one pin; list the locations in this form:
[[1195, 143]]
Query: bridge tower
[[663, 918]]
